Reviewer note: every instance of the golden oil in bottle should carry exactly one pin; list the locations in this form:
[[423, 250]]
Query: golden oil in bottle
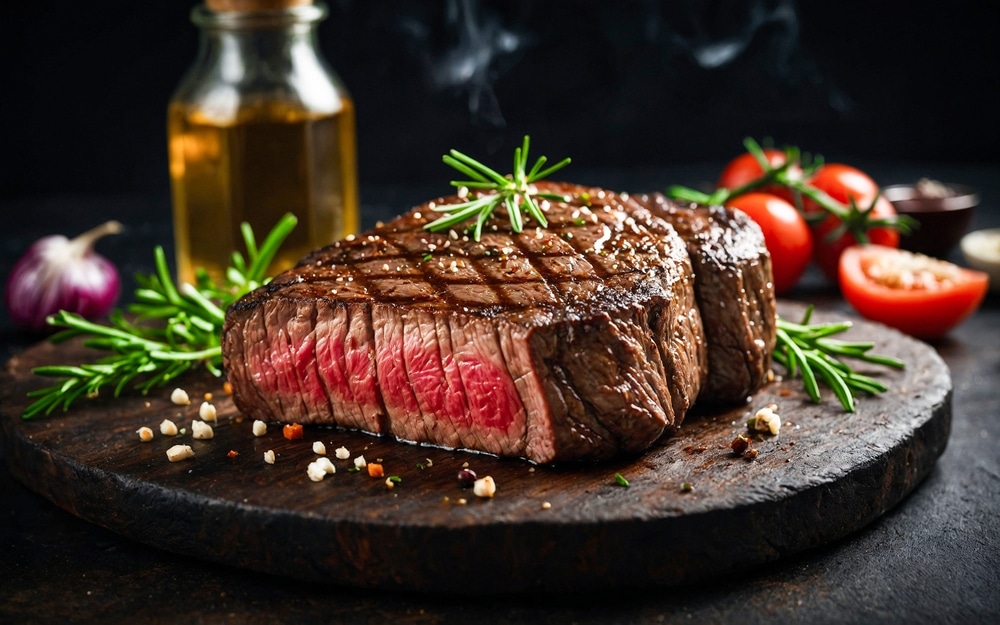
[[260, 126], [266, 163]]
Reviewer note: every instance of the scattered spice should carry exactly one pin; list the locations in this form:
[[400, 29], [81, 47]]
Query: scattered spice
[[620, 480], [765, 420], [259, 428], [168, 428], [201, 430], [269, 456], [319, 448], [342, 453], [740, 444], [232, 453], [375, 470], [145, 434], [467, 477], [179, 452], [292, 431], [546, 505], [207, 412], [686, 487], [180, 397], [484, 487]]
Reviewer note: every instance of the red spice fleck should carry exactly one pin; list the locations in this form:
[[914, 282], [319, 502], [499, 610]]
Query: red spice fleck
[[292, 431], [233, 453], [740, 444]]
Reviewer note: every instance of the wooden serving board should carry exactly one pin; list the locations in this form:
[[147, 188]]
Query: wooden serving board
[[568, 528]]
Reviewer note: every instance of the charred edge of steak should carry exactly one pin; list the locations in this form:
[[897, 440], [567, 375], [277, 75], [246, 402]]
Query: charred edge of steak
[[735, 294], [528, 304]]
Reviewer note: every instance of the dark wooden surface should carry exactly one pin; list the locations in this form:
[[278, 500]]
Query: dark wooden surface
[[932, 558], [827, 474]]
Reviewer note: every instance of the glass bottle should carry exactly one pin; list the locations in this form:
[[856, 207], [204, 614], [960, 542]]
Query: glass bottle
[[258, 127]]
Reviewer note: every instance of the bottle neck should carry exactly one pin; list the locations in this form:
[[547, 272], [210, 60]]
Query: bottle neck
[[260, 56]]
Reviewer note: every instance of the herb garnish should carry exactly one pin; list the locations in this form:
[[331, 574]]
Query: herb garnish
[[175, 329], [513, 191], [807, 351], [854, 219]]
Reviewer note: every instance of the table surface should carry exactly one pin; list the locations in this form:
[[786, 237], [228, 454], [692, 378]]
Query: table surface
[[934, 558]]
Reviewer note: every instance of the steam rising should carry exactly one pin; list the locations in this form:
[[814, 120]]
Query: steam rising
[[480, 49]]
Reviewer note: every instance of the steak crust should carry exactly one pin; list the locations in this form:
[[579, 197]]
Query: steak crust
[[735, 293], [579, 341]]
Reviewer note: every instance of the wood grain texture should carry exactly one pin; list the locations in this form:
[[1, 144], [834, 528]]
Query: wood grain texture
[[826, 475]]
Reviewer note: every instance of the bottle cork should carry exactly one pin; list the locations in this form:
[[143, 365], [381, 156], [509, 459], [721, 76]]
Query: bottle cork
[[253, 5]]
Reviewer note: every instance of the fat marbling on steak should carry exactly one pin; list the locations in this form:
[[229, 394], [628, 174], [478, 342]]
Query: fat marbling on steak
[[581, 340]]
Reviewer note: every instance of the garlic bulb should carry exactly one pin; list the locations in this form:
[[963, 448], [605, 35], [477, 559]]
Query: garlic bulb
[[57, 273]]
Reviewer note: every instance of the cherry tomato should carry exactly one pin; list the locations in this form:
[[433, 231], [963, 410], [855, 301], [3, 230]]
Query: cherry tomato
[[844, 183], [745, 168], [919, 295], [786, 236]]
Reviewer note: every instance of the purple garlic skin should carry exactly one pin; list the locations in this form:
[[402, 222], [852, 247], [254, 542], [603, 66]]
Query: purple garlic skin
[[57, 273]]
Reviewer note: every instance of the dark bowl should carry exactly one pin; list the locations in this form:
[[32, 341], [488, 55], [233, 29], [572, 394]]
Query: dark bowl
[[942, 218]]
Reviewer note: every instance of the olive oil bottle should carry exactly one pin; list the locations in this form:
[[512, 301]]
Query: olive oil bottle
[[259, 127]]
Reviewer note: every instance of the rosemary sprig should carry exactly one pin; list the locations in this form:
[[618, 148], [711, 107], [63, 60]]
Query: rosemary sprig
[[175, 328], [807, 350], [513, 191]]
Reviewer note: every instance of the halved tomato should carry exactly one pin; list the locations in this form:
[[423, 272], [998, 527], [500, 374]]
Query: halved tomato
[[916, 294]]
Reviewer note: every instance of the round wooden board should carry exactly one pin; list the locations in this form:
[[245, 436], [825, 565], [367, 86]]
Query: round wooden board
[[569, 528]]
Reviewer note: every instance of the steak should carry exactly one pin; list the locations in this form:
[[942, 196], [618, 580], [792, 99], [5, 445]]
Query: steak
[[579, 341], [735, 293]]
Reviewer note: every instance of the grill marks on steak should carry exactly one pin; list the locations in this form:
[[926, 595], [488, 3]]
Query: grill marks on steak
[[581, 340], [734, 291]]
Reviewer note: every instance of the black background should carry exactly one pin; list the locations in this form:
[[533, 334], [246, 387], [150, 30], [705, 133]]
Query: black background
[[634, 84]]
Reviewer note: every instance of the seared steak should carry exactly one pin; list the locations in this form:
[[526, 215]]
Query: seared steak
[[579, 341], [735, 293]]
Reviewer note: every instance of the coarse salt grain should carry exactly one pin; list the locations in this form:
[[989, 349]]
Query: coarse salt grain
[[484, 487], [145, 434], [168, 428], [207, 411], [179, 452], [360, 462], [259, 428], [319, 448], [342, 453], [201, 430], [269, 456], [180, 397]]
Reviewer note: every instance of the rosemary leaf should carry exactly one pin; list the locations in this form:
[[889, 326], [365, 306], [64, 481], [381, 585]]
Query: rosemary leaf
[[514, 192]]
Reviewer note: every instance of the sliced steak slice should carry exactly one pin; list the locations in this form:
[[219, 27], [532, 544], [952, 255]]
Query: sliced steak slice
[[579, 341], [734, 290]]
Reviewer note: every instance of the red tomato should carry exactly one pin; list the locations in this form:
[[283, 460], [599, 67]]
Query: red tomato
[[745, 168], [844, 183], [919, 295], [786, 236]]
